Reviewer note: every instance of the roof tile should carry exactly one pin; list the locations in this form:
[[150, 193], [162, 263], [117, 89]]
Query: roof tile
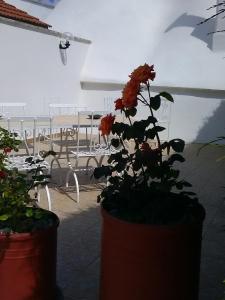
[[11, 12]]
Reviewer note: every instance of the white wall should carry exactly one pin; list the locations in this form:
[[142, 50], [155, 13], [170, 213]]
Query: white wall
[[131, 32], [192, 118], [128, 33], [32, 71]]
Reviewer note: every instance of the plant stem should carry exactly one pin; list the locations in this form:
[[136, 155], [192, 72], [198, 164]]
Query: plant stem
[[137, 147], [154, 125], [128, 155], [144, 100]]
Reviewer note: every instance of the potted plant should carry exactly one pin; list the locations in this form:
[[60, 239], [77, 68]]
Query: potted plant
[[28, 234], [151, 226]]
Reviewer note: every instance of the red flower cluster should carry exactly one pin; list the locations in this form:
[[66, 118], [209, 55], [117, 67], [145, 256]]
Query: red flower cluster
[[7, 150], [106, 124], [119, 104], [2, 174], [143, 73], [129, 95], [130, 92], [145, 147]]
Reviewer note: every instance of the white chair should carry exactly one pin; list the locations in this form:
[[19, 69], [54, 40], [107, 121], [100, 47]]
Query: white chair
[[22, 164], [9, 109], [56, 109], [87, 145], [109, 104], [29, 131]]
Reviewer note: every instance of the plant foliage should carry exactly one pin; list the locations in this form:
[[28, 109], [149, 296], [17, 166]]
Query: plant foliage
[[143, 184], [17, 213]]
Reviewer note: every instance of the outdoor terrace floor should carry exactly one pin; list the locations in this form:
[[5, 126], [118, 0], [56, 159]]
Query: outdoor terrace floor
[[79, 230]]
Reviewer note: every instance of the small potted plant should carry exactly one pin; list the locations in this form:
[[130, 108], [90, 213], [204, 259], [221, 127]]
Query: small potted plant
[[152, 226], [28, 234]]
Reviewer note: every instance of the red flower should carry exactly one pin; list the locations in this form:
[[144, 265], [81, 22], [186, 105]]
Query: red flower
[[7, 150], [106, 124], [145, 147], [2, 174], [130, 92], [119, 104], [143, 73]]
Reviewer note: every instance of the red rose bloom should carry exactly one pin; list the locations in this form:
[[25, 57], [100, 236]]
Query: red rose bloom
[[145, 147], [130, 92], [2, 174], [119, 104], [7, 150], [143, 73], [106, 124]]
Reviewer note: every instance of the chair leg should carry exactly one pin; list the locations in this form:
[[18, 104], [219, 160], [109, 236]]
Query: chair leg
[[37, 190], [100, 161], [51, 168], [48, 197], [87, 164], [77, 186], [71, 171]]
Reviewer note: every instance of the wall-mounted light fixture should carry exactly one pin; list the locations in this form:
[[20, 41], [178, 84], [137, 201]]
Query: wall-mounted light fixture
[[64, 45]]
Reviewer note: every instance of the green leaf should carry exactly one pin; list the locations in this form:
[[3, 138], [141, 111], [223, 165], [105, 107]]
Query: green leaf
[[130, 112], [155, 102], [119, 128], [167, 96], [29, 212], [181, 184], [102, 171], [151, 120], [175, 157], [173, 173], [151, 133], [187, 184], [166, 146], [124, 151], [188, 193], [115, 143], [159, 128], [4, 217], [177, 145]]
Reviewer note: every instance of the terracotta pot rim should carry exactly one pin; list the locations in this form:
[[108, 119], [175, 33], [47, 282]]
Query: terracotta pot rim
[[106, 214], [29, 235]]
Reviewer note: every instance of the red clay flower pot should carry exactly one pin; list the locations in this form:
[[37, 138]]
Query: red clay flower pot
[[28, 265], [149, 262]]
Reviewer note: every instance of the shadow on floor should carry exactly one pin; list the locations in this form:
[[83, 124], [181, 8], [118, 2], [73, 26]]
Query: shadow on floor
[[79, 231]]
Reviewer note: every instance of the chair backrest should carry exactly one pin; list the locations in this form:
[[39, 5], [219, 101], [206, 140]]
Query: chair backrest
[[30, 129], [109, 104], [57, 109], [10, 109], [87, 127]]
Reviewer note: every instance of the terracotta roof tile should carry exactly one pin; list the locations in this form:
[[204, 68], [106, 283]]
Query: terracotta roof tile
[[11, 12]]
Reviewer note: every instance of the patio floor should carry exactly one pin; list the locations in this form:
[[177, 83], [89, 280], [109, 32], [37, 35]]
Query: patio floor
[[79, 231]]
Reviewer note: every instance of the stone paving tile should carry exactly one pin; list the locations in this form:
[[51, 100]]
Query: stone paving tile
[[85, 284]]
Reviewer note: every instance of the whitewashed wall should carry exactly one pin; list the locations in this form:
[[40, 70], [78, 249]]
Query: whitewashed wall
[[32, 71], [165, 33], [130, 32]]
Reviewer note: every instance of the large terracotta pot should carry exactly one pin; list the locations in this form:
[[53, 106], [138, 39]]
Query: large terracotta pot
[[28, 265], [149, 262]]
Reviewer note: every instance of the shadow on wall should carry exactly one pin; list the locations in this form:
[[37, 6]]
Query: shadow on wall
[[199, 31], [214, 126]]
